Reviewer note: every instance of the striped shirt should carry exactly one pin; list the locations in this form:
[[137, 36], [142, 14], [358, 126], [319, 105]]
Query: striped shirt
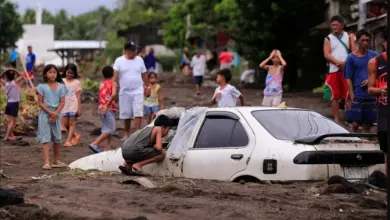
[[13, 91]]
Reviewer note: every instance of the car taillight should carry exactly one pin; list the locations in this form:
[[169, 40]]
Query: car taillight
[[269, 166]]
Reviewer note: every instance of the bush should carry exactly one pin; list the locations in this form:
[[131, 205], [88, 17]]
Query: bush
[[168, 62], [90, 85]]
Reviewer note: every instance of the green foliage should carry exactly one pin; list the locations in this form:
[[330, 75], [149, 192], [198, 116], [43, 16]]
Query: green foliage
[[10, 25], [80, 27], [91, 85], [168, 62]]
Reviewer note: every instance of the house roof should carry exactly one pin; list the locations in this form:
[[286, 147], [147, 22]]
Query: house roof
[[368, 20], [77, 45]]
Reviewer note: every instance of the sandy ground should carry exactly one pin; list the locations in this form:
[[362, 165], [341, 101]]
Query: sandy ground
[[71, 195]]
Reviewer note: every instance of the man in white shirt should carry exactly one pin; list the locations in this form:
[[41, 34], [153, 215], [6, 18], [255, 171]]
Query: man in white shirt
[[198, 65], [337, 46], [132, 77]]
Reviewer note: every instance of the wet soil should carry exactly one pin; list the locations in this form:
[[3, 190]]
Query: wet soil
[[61, 194]]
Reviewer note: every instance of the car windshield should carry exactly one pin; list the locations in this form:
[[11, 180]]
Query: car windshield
[[293, 124]]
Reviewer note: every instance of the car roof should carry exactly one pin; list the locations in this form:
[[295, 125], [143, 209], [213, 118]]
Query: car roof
[[255, 108]]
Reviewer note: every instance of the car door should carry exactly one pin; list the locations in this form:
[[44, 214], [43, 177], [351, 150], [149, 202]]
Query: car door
[[222, 148]]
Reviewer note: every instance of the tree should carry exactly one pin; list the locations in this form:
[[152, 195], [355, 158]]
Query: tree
[[10, 25]]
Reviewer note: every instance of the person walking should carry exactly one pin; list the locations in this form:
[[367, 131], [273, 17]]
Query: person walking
[[132, 74], [198, 65], [337, 46]]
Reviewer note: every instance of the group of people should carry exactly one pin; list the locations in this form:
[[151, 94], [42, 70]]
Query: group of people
[[357, 76]]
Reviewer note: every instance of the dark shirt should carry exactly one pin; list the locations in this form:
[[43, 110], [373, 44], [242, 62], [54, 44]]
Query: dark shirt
[[150, 61], [381, 81]]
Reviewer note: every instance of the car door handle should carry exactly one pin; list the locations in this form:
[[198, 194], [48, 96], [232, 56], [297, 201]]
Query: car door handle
[[237, 156]]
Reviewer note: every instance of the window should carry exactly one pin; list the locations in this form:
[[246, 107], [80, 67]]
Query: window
[[221, 131], [293, 124]]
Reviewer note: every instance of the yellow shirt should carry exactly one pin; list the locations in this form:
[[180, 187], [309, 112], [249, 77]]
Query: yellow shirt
[[152, 100]]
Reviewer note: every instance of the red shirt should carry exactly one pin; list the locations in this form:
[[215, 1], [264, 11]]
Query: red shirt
[[105, 92], [226, 57]]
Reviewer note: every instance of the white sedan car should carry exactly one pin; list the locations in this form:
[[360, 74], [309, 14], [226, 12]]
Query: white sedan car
[[257, 143]]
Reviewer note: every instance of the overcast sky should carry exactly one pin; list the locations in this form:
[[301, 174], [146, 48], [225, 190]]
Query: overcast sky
[[73, 7]]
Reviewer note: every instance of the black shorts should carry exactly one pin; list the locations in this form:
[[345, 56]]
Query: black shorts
[[138, 154], [198, 80], [382, 137], [12, 109], [13, 64]]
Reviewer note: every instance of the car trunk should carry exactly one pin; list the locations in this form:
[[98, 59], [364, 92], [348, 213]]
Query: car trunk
[[353, 159]]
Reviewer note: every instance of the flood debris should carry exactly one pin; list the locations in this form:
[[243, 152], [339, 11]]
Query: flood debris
[[10, 197]]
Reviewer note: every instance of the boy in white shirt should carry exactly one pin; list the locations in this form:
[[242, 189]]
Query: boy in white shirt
[[226, 95], [198, 65]]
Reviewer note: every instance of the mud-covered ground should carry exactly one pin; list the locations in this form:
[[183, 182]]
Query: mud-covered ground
[[62, 194]]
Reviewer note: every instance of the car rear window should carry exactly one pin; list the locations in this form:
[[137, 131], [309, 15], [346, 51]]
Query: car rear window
[[293, 124]]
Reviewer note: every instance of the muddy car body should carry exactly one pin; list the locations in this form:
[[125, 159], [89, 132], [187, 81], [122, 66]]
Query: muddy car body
[[259, 143]]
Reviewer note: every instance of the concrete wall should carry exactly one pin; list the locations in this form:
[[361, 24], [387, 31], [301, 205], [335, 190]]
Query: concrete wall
[[41, 38]]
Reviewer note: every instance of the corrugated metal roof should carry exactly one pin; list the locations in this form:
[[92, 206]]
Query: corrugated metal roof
[[78, 44]]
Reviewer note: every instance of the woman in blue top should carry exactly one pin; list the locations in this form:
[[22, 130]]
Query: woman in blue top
[[51, 100]]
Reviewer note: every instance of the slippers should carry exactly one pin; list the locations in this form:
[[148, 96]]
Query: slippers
[[15, 138], [59, 165], [67, 144], [125, 170], [46, 167], [95, 149]]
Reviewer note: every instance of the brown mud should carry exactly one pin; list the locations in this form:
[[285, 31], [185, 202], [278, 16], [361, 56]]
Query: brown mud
[[62, 194]]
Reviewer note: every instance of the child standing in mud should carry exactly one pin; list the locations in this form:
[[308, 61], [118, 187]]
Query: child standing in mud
[[51, 100], [154, 100], [273, 82], [12, 89], [107, 109], [72, 108], [226, 95]]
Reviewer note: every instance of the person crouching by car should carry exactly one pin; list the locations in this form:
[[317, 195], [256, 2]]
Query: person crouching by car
[[145, 146]]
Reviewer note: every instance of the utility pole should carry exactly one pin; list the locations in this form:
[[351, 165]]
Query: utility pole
[[362, 14], [100, 30]]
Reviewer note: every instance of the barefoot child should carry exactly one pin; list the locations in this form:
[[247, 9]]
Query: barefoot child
[[145, 146], [107, 109], [154, 99], [273, 82], [12, 89], [51, 100], [226, 95], [72, 108]]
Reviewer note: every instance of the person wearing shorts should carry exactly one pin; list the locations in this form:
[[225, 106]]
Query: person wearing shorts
[[362, 110], [337, 46], [377, 86], [107, 109], [198, 65], [132, 80], [145, 146], [30, 65]]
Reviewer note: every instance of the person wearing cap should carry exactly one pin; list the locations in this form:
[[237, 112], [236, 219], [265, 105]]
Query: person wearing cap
[[132, 74]]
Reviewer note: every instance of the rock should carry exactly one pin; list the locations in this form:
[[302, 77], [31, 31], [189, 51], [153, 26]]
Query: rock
[[332, 189], [10, 197], [378, 179]]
